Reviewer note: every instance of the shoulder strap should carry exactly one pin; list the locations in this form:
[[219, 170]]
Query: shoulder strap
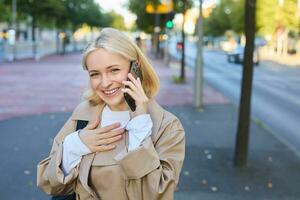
[[81, 124]]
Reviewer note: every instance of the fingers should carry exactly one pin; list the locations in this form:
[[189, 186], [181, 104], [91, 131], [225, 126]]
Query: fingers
[[104, 148], [140, 83], [92, 125], [108, 141], [104, 142], [107, 128], [130, 84], [131, 93], [132, 79], [135, 85], [110, 134]]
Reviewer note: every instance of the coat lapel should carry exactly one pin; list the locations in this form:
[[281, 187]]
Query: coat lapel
[[85, 111]]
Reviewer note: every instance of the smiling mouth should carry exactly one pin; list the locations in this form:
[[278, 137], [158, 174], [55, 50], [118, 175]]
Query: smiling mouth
[[110, 92]]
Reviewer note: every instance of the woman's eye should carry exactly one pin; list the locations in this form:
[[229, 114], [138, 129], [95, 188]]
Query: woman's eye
[[115, 70], [93, 75]]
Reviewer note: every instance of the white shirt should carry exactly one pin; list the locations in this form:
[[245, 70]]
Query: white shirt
[[138, 128]]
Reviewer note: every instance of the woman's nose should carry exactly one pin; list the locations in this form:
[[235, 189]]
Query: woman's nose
[[105, 81]]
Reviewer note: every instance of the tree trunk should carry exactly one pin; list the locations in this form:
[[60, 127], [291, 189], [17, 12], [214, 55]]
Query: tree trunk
[[242, 139], [33, 26], [74, 41], [182, 71], [57, 38]]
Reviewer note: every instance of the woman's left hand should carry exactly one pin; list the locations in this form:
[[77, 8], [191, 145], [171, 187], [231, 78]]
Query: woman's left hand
[[136, 91]]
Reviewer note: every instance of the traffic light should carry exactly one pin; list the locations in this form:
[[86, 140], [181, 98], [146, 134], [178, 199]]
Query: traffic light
[[169, 24]]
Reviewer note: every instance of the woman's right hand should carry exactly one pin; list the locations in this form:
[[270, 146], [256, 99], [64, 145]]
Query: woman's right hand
[[101, 139]]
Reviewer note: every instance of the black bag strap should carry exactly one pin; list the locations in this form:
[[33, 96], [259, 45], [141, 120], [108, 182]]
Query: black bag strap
[[81, 124]]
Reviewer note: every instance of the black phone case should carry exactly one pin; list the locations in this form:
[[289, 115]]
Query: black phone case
[[136, 72]]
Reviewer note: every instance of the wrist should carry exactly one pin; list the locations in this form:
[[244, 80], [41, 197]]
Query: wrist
[[138, 112]]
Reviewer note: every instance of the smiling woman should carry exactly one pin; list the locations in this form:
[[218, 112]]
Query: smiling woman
[[121, 153]]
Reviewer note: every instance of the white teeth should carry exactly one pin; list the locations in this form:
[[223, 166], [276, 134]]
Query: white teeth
[[110, 91]]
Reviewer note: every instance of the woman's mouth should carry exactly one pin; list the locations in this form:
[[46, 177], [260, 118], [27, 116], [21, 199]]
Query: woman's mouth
[[111, 92]]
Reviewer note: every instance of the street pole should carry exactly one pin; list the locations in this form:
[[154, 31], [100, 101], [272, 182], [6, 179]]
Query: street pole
[[198, 92], [242, 138], [157, 32], [298, 15], [14, 26], [182, 71]]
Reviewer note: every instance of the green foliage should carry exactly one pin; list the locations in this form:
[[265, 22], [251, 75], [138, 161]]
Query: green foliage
[[228, 15], [270, 15], [43, 13], [146, 21], [177, 79], [79, 12], [181, 6], [117, 21], [5, 11], [60, 13]]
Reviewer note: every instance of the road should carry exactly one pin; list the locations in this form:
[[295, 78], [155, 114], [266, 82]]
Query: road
[[275, 95]]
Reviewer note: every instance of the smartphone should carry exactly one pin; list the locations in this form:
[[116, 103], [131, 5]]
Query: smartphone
[[136, 72]]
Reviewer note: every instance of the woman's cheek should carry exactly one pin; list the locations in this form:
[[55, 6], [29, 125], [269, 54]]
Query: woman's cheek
[[123, 77], [94, 83]]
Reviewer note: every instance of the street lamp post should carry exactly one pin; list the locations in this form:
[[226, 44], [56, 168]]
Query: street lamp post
[[199, 66], [298, 15], [14, 26]]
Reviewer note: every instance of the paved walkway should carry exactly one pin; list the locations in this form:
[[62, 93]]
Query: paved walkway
[[37, 98], [55, 84]]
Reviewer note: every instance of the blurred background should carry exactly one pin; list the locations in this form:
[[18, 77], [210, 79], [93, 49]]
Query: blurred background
[[40, 28], [200, 51]]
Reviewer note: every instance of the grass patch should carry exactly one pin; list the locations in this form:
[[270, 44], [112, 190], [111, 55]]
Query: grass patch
[[259, 123], [178, 80]]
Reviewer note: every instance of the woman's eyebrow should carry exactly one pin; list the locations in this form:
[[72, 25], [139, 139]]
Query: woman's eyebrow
[[114, 65], [93, 70]]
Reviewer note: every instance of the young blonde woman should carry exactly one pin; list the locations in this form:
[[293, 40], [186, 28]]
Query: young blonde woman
[[121, 154]]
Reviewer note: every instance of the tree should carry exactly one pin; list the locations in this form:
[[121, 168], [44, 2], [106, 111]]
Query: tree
[[228, 15], [181, 6], [5, 10], [144, 21], [41, 13], [79, 12], [117, 21], [242, 139], [271, 15]]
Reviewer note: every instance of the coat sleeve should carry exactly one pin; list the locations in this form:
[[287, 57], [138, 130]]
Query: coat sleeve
[[153, 170], [50, 177]]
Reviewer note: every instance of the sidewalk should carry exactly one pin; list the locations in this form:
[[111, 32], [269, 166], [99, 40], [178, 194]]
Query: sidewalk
[[208, 172], [37, 97]]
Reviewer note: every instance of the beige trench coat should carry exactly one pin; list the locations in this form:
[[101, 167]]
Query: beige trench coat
[[148, 172]]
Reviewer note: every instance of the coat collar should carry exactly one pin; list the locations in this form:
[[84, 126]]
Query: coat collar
[[86, 111]]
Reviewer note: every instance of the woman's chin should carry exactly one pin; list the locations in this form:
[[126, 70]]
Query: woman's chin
[[115, 101]]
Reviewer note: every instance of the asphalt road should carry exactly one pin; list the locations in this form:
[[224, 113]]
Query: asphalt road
[[275, 95]]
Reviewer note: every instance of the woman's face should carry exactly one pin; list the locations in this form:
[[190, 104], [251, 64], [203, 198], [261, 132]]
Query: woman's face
[[107, 71]]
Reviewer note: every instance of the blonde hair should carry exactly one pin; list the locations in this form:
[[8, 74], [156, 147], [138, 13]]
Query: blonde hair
[[115, 41]]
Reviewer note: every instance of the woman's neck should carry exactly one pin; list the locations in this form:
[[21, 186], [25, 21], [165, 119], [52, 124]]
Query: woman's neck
[[120, 107]]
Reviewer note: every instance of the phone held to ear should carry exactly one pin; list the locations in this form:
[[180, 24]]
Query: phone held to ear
[[136, 72]]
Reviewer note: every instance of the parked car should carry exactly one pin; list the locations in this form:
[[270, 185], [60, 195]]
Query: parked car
[[237, 55]]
